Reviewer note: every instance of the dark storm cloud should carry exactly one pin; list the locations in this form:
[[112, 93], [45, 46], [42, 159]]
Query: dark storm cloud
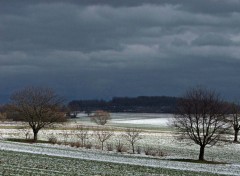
[[100, 49]]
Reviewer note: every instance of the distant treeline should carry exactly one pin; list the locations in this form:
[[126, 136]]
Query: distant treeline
[[142, 104]]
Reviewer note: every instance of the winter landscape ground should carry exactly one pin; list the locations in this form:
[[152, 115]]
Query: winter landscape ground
[[19, 158]]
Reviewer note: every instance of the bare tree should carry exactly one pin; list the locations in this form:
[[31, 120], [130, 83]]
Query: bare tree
[[66, 135], [82, 134], [235, 120], [103, 135], [38, 106], [26, 131], [132, 135], [201, 117], [101, 117]]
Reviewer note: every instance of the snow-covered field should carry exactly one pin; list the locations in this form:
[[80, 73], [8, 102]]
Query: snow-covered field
[[134, 118], [144, 118], [150, 121], [164, 140], [126, 116]]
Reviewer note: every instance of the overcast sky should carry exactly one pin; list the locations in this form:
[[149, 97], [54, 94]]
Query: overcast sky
[[104, 48]]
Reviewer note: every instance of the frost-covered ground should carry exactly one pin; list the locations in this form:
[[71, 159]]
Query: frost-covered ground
[[164, 140], [96, 155]]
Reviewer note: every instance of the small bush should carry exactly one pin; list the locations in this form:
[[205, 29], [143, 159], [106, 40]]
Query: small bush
[[52, 139], [78, 144], [88, 145], [98, 147], [120, 147], [160, 153], [72, 144], [149, 151], [75, 144], [59, 143], [139, 150], [109, 147], [153, 152]]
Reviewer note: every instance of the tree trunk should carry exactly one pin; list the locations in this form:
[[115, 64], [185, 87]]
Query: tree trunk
[[133, 148], [102, 145], [83, 143], [201, 154], [235, 135], [35, 134]]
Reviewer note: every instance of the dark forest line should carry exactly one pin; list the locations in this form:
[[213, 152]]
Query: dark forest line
[[141, 104]]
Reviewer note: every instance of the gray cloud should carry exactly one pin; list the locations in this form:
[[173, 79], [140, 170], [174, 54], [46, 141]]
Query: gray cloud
[[212, 39], [100, 49]]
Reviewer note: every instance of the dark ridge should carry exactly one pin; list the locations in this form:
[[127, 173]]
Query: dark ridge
[[141, 104]]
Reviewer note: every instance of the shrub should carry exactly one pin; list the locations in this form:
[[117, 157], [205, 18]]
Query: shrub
[[149, 150], [109, 147], [72, 144], [52, 139], [88, 145], [75, 144], [139, 150], [78, 144], [160, 153], [153, 152], [59, 142], [98, 147], [120, 147]]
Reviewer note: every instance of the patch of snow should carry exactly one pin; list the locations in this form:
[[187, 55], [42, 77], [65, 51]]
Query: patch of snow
[[150, 121]]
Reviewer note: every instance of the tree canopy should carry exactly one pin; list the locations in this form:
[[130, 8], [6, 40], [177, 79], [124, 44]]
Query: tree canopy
[[201, 117], [38, 106]]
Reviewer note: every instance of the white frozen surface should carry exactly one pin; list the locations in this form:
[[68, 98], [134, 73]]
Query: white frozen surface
[[141, 118], [155, 121]]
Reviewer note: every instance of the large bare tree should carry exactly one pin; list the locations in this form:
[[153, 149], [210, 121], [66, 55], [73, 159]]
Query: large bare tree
[[38, 106], [201, 117]]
